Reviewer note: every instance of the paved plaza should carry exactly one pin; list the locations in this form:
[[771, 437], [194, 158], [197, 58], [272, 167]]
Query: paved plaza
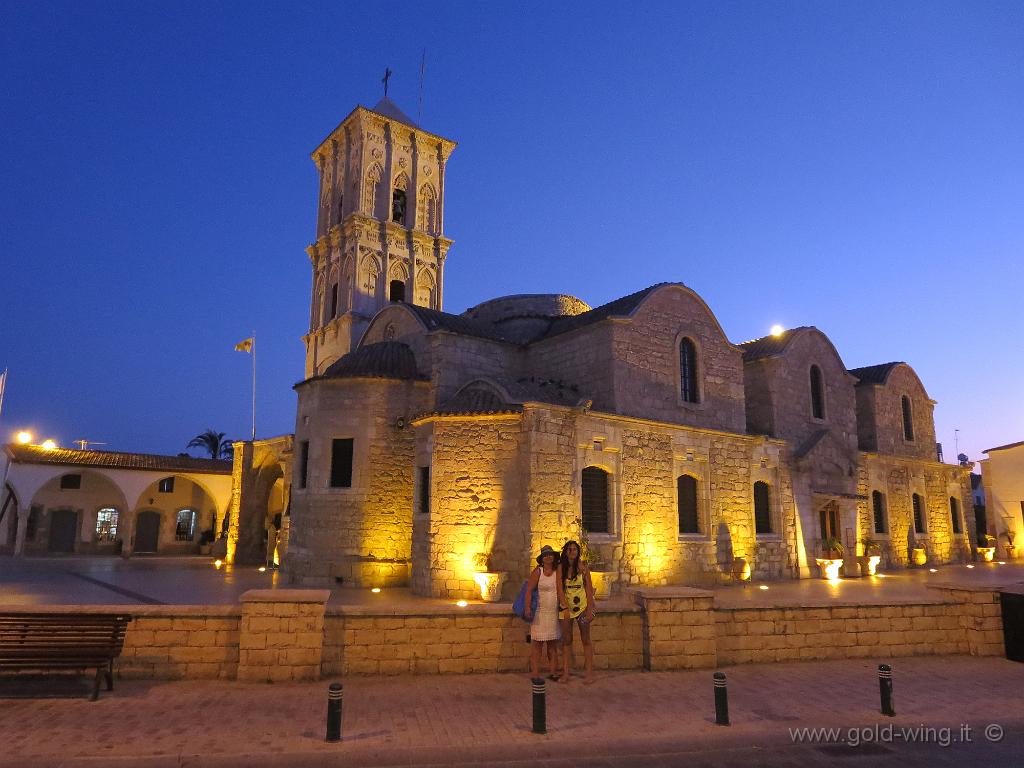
[[650, 719], [195, 581]]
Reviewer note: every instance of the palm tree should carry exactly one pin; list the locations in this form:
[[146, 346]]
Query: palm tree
[[213, 442]]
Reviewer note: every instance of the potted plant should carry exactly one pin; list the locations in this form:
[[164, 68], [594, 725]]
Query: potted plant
[[833, 558], [489, 582], [871, 557], [1011, 549], [987, 547], [591, 555]]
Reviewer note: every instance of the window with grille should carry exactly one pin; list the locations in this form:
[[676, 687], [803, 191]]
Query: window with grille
[[341, 463], [70, 482], [918, 504], [686, 494], [954, 513], [762, 508], [908, 420], [878, 508], [595, 500], [106, 525], [817, 393], [688, 370]]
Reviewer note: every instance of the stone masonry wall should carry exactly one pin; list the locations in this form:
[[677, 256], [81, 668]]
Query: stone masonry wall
[[446, 643], [645, 355], [193, 642], [361, 535], [477, 520], [888, 416]]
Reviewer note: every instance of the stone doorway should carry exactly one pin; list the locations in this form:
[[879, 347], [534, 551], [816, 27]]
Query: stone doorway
[[147, 532], [63, 527]]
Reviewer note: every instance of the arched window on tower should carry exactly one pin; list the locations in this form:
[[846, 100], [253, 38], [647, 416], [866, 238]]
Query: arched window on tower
[[396, 290], [908, 419], [398, 199], [817, 393], [334, 300], [688, 370]]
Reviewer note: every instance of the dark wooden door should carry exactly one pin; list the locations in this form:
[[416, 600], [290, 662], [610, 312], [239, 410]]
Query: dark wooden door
[[63, 527], [147, 532]]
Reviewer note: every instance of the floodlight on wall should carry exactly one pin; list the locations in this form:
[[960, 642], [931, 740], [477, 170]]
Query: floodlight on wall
[[777, 330], [23, 438], [48, 445]]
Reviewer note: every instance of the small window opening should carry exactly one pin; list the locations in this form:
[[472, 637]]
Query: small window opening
[[70, 482], [396, 291], [166, 485], [398, 206]]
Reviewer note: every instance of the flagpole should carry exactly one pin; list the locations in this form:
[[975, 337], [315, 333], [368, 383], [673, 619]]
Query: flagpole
[[254, 386]]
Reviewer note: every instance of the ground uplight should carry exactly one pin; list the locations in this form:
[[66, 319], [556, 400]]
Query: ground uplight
[[462, 603], [375, 590]]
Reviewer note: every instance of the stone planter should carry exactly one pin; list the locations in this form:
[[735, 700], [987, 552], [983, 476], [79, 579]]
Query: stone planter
[[869, 564], [852, 568], [829, 567], [602, 581], [490, 584], [920, 556], [988, 554]]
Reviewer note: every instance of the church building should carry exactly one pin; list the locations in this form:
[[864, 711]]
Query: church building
[[434, 450]]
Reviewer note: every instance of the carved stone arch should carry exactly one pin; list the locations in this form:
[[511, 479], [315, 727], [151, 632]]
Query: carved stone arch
[[369, 272], [426, 209], [316, 311], [398, 271], [373, 177], [425, 290]]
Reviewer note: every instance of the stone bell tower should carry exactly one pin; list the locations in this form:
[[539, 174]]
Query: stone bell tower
[[380, 226]]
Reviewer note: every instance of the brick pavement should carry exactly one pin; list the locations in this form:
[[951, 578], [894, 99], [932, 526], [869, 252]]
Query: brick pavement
[[486, 718]]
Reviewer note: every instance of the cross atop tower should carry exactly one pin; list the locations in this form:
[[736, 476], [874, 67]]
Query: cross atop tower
[[387, 76]]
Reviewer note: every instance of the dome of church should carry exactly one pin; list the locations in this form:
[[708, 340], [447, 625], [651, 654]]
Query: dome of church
[[383, 360], [527, 305]]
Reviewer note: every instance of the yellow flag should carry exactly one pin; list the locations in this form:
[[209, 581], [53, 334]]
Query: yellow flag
[[245, 345]]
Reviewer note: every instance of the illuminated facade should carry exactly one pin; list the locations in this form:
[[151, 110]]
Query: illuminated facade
[[430, 446]]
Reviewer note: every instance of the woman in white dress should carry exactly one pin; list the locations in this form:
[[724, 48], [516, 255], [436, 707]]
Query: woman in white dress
[[544, 626]]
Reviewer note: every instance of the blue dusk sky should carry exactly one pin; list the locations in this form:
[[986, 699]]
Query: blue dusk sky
[[858, 166]]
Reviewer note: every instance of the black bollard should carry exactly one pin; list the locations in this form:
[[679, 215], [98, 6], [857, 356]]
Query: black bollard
[[885, 689], [540, 718], [334, 712], [721, 700]]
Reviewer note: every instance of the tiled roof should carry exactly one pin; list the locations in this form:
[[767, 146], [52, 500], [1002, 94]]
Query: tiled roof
[[620, 307], [543, 390], [34, 454], [1005, 447], [383, 360], [873, 374], [477, 401], [769, 346], [436, 320]]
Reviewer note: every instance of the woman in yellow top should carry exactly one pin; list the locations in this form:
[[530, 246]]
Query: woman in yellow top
[[578, 594]]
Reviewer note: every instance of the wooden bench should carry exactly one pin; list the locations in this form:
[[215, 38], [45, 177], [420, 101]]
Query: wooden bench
[[74, 641]]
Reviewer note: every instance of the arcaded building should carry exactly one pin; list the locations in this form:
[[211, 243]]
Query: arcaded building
[[431, 447]]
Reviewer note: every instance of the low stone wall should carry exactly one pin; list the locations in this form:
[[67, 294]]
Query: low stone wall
[[174, 642], [490, 639], [291, 634]]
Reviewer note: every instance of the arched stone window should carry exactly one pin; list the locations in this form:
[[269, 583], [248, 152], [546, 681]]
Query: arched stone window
[[396, 290], [954, 514], [879, 512], [817, 393], [908, 419], [427, 209], [595, 500], [688, 390], [686, 501], [370, 190], [398, 199], [334, 300], [918, 504], [762, 507]]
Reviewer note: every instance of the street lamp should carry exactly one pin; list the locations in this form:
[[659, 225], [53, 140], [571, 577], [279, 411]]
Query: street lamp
[[23, 437], [48, 445]]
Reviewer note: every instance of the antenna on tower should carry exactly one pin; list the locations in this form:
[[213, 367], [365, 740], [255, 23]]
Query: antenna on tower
[[423, 67]]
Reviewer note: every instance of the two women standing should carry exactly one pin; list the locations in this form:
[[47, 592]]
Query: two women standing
[[565, 596]]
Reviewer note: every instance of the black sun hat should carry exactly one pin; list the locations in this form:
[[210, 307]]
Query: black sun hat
[[546, 550]]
